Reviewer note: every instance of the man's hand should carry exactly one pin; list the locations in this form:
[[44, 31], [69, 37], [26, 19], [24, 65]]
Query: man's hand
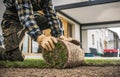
[[65, 38], [74, 41], [47, 43]]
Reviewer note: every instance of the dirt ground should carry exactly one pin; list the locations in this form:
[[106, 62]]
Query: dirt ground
[[83, 71]]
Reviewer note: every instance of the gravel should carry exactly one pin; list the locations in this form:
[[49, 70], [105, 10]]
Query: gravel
[[83, 71]]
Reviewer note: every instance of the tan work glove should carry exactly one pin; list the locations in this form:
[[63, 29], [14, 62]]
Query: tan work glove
[[47, 43], [72, 40]]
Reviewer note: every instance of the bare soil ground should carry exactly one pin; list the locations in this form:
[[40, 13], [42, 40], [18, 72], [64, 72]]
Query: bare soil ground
[[83, 71]]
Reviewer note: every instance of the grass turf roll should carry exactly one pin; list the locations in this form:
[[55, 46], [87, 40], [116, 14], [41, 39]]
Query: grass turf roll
[[64, 55]]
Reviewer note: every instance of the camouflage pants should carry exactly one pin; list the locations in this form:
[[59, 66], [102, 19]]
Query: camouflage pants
[[13, 34]]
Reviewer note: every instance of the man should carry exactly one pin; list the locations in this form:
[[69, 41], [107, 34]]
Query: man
[[21, 16]]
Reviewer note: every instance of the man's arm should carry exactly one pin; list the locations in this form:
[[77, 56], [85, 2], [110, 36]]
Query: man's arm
[[26, 17], [25, 13], [53, 21]]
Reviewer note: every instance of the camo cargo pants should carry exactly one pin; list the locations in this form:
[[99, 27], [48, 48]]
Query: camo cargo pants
[[13, 34]]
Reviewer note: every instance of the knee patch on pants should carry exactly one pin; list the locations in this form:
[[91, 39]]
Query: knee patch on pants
[[10, 38]]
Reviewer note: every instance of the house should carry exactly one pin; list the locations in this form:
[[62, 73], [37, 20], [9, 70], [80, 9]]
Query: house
[[95, 41]]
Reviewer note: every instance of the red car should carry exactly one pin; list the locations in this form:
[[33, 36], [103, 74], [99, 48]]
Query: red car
[[110, 50]]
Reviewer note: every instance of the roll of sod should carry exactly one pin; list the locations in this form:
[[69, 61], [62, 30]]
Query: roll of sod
[[64, 55]]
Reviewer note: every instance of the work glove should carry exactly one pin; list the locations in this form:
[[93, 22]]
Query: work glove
[[72, 40], [47, 43]]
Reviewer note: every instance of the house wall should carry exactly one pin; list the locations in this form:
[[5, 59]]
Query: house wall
[[85, 41]]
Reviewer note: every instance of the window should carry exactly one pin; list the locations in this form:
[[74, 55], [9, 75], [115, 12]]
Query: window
[[69, 30]]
